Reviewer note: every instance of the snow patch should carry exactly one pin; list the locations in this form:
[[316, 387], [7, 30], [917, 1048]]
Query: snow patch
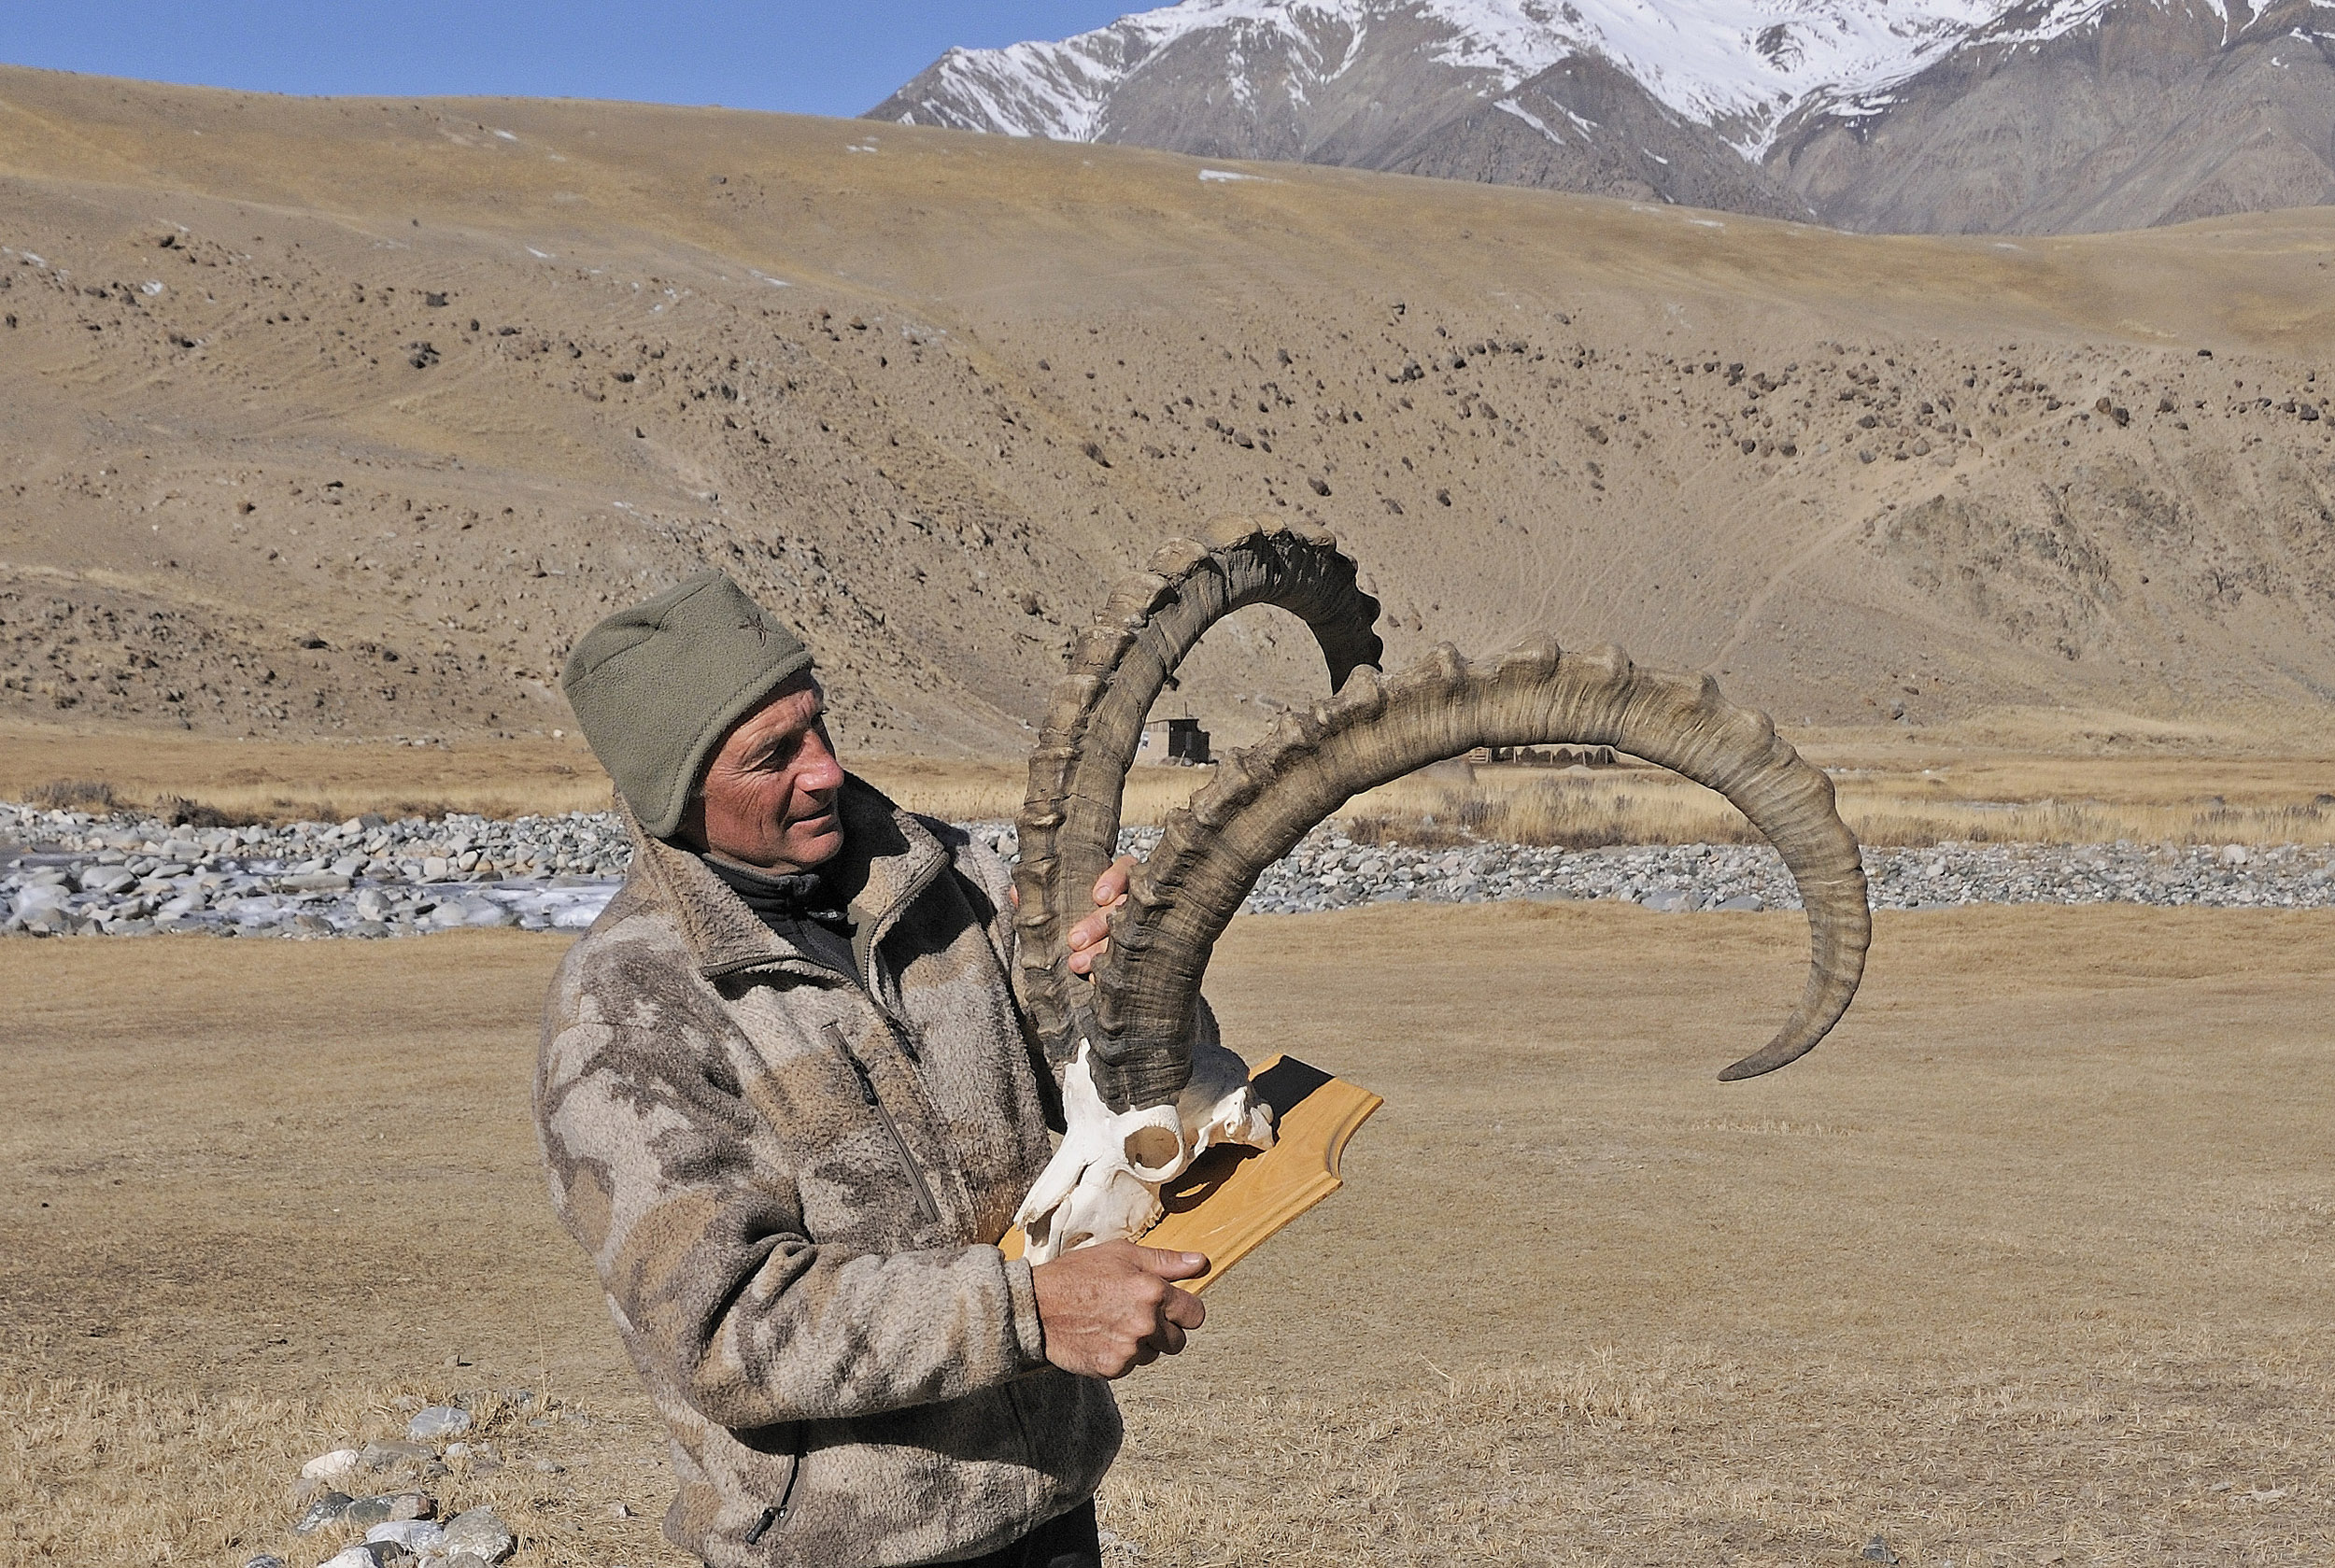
[[1530, 119], [1212, 175]]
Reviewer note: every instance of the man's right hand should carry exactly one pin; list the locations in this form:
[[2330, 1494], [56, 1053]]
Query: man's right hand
[[1109, 1308]]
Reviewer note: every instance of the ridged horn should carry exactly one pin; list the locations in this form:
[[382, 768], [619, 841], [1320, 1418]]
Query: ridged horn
[[1265, 798], [1069, 823]]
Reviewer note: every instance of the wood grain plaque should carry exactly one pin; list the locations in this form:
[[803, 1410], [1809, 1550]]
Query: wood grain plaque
[[1233, 1199]]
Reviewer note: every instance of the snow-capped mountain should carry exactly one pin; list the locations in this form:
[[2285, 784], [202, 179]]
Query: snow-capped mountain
[[1742, 65], [2066, 115], [1800, 107]]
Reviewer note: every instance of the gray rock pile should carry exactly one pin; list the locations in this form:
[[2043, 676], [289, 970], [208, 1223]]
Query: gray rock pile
[[400, 1526], [1330, 870], [71, 872], [74, 873]]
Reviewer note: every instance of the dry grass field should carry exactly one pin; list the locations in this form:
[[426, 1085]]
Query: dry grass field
[[1980, 799], [1903, 793], [2028, 1265]]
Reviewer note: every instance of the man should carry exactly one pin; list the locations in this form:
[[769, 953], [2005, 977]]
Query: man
[[788, 1103]]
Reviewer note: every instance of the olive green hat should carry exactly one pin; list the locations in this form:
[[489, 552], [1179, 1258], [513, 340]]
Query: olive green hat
[[657, 686]]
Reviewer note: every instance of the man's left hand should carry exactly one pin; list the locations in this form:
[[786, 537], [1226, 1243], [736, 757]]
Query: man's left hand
[[1090, 939]]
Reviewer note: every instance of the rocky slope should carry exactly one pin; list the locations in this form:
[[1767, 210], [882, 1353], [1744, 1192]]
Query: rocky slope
[[2080, 115], [345, 417], [1948, 116]]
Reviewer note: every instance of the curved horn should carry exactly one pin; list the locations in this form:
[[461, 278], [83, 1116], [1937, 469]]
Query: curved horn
[[1069, 823], [1265, 798]]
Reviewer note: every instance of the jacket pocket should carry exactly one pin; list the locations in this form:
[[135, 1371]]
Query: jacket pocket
[[925, 1204]]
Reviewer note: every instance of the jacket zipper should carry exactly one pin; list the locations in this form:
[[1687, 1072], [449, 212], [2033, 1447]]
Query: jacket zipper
[[925, 1204], [776, 1512]]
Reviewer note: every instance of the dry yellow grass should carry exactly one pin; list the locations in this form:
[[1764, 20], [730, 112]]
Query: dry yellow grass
[[1897, 796], [2028, 1260], [1985, 800], [95, 1472], [286, 781]]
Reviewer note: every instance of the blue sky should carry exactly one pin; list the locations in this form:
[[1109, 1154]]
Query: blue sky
[[836, 58]]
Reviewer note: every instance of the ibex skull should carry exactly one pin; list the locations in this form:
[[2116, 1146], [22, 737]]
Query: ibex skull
[[1103, 1183], [1145, 1085]]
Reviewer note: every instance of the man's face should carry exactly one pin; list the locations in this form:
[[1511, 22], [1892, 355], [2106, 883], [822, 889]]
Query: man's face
[[769, 797]]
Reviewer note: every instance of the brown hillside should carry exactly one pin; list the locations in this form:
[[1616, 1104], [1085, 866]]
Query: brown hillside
[[343, 417]]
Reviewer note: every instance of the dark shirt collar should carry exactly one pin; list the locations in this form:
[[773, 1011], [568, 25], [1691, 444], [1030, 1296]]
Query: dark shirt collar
[[888, 859], [781, 899]]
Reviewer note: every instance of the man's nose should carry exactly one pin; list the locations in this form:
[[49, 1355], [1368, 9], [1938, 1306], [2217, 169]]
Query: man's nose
[[821, 771]]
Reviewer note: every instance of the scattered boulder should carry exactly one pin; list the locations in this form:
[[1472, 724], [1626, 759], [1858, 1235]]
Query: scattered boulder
[[370, 1554], [420, 1536], [437, 1423], [328, 1510], [388, 1507], [481, 1532], [387, 1453]]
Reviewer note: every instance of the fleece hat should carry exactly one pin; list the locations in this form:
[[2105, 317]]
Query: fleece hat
[[657, 686]]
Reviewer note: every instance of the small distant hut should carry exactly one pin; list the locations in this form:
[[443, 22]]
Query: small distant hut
[[1177, 741], [1187, 743]]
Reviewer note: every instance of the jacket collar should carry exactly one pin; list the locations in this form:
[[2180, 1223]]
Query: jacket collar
[[887, 860]]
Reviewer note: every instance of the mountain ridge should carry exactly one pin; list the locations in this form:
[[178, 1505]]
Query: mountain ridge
[[2107, 114]]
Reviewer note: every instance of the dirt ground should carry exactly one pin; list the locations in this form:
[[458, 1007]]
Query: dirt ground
[[2026, 1265]]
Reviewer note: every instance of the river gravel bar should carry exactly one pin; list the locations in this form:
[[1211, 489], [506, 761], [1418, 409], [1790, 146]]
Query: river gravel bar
[[74, 873]]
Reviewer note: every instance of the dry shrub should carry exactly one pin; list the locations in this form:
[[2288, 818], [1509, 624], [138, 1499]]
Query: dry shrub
[[1573, 814], [1419, 833], [180, 812], [75, 795]]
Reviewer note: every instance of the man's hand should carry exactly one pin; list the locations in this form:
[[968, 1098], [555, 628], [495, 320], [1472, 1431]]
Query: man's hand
[[1090, 939], [1112, 1308]]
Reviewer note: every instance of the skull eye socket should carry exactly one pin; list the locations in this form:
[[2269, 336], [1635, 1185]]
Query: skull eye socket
[[1152, 1147]]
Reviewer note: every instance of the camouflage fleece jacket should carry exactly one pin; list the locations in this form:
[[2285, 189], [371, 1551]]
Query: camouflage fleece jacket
[[787, 1176]]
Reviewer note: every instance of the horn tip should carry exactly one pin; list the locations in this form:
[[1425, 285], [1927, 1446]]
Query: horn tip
[[1781, 1051]]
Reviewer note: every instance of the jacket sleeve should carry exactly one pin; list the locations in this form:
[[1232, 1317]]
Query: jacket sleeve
[[665, 1173]]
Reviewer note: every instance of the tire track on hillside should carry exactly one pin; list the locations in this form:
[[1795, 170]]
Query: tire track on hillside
[[1837, 534]]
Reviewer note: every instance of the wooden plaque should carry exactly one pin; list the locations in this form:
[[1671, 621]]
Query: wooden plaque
[[1233, 1198]]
